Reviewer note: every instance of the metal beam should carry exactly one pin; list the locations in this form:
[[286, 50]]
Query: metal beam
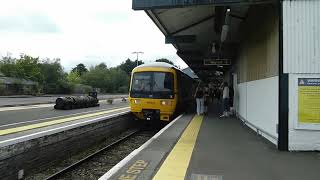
[[151, 15], [156, 20], [237, 17], [190, 54], [167, 4], [283, 97], [180, 39], [193, 24], [201, 67], [219, 20]]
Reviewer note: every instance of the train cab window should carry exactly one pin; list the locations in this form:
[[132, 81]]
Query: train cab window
[[142, 82], [163, 85], [157, 85], [163, 82]]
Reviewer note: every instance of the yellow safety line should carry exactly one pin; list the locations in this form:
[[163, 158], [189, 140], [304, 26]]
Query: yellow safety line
[[54, 122], [176, 164]]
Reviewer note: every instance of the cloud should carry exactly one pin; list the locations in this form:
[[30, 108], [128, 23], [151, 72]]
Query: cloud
[[108, 17], [88, 32], [31, 23]]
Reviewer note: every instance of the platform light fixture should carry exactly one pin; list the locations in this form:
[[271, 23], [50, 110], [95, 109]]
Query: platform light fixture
[[225, 27], [137, 56]]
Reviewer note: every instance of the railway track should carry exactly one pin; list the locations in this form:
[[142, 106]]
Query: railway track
[[96, 164]]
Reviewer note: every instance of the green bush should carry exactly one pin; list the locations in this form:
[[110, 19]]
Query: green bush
[[2, 89], [81, 89], [61, 87], [64, 87]]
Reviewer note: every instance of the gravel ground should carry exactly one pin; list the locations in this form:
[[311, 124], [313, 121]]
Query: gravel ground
[[99, 165]]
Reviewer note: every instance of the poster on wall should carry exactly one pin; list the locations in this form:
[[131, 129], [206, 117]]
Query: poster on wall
[[309, 100]]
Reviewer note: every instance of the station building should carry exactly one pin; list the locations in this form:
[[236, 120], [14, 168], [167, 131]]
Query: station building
[[268, 50]]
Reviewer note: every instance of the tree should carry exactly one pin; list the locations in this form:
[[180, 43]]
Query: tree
[[52, 70], [165, 60], [29, 68], [102, 66], [8, 67], [97, 77], [73, 78], [129, 65], [108, 80], [80, 69], [119, 80], [55, 79]]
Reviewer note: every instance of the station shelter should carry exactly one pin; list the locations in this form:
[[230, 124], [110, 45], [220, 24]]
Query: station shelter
[[268, 50]]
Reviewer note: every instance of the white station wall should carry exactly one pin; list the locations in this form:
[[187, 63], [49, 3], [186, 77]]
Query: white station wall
[[256, 87], [301, 56], [257, 103]]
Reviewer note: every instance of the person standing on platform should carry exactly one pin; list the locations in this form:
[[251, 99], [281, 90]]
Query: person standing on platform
[[199, 95], [225, 100], [231, 96], [211, 93], [206, 100]]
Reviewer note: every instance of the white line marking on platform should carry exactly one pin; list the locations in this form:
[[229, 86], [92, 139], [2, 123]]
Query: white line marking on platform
[[124, 161], [21, 107], [24, 122], [62, 127], [25, 107]]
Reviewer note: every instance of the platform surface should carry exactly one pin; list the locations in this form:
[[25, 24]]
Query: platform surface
[[31, 123], [222, 149]]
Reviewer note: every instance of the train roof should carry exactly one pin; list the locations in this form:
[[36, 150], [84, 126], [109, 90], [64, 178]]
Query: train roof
[[157, 64], [162, 65]]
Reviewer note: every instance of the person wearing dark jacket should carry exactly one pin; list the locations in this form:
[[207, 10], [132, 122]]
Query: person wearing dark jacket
[[199, 95]]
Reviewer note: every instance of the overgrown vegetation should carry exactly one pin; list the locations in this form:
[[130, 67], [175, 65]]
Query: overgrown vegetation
[[52, 79]]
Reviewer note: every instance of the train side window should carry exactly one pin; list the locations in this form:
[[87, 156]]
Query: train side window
[[168, 81]]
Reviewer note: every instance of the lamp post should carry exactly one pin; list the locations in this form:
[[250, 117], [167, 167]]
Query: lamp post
[[137, 56]]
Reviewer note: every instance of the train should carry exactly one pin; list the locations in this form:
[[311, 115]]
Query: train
[[159, 91]]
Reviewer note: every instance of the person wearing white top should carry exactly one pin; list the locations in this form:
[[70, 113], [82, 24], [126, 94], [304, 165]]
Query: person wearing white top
[[225, 100]]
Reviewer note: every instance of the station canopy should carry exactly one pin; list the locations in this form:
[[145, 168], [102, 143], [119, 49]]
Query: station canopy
[[206, 33]]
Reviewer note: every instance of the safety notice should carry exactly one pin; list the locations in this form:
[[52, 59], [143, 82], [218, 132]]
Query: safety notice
[[309, 100]]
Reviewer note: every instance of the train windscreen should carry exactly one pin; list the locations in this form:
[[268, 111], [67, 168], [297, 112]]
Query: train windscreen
[[158, 85]]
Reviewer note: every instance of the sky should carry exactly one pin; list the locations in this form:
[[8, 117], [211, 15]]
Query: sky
[[81, 31]]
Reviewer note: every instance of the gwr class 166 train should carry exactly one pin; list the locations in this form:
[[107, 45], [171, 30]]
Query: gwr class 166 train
[[159, 90]]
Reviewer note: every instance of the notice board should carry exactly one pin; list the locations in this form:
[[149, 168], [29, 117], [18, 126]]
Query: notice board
[[309, 100]]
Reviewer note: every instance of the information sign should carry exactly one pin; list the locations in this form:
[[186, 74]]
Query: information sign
[[221, 62], [309, 100]]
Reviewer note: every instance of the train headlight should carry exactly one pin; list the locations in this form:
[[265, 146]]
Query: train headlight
[[165, 102], [136, 101]]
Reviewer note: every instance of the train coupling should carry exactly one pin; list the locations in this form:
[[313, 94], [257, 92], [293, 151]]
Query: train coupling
[[151, 114]]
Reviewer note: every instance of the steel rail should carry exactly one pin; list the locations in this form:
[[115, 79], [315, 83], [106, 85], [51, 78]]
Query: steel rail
[[72, 166]]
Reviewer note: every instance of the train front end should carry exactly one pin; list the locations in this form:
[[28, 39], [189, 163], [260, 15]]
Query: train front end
[[153, 93]]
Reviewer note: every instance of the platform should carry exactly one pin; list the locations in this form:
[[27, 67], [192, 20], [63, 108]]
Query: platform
[[20, 132], [34, 144], [213, 148]]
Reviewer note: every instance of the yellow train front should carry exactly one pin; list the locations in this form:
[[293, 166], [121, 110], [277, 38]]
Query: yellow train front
[[158, 91]]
